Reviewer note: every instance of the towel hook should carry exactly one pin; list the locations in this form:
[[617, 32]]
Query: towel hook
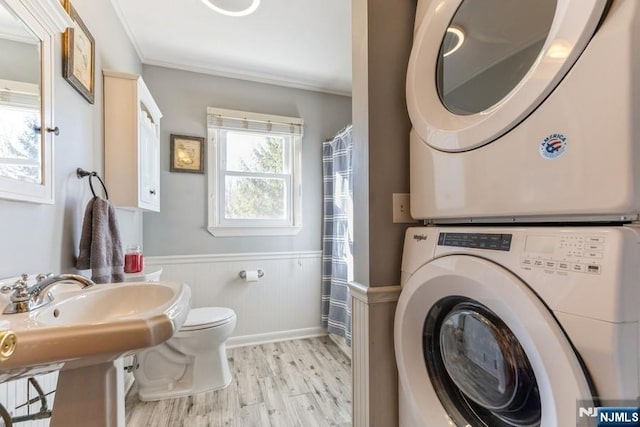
[[81, 173]]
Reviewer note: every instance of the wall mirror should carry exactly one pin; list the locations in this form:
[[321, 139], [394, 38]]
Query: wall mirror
[[27, 29]]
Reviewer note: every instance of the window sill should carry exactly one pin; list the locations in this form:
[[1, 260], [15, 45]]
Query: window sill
[[253, 231]]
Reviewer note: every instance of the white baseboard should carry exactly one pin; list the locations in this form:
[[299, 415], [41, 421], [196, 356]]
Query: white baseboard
[[294, 334]]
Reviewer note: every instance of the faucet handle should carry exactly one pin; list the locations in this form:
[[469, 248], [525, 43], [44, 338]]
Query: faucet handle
[[22, 282], [19, 288], [40, 277]]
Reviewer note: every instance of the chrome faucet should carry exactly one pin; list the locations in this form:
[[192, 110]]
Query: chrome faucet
[[24, 298]]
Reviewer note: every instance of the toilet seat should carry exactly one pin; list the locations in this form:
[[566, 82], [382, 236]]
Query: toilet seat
[[207, 317]]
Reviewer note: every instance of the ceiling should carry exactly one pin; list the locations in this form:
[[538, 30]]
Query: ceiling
[[297, 43]]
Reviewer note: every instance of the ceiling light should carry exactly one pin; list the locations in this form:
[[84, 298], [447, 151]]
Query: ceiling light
[[230, 7], [455, 36]]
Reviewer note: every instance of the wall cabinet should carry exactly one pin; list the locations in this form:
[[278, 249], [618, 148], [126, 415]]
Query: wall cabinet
[[132, 142]]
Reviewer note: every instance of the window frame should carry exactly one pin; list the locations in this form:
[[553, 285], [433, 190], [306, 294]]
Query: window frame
[[218, 122]]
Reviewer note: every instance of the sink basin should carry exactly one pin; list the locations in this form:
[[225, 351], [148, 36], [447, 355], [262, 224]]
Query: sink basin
[[83, 327], [106, 304]]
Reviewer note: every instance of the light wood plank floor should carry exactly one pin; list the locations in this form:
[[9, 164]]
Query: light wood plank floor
[[301, 383]]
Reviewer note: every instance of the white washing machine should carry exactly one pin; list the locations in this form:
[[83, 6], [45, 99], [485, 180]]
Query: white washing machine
[[500, 326], [525, 110]]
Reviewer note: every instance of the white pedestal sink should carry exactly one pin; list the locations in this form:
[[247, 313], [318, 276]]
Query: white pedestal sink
[[82, 333]]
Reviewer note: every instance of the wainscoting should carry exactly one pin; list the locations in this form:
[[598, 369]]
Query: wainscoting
[[373, 356], [282, 305]]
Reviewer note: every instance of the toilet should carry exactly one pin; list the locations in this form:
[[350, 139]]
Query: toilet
[[193, 361]]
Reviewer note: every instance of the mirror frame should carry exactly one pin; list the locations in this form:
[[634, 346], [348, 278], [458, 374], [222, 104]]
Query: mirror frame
[[46, 19]]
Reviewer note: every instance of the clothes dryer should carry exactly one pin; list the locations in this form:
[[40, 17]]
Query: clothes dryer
[[517, 326], [525, 110]]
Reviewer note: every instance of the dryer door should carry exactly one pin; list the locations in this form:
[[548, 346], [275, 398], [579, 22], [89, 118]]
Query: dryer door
[[475, 346], [479, 67]]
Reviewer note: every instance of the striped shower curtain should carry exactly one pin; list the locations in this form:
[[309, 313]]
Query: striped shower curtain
[[337, 235]]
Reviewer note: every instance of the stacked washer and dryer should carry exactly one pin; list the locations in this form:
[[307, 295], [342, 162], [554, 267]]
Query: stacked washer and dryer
[[521, 297]]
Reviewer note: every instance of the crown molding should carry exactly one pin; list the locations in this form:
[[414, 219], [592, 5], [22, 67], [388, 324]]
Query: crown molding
[[50, 14], [253, 76]]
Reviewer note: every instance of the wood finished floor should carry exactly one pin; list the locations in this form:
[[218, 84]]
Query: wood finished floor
[[301, 383]]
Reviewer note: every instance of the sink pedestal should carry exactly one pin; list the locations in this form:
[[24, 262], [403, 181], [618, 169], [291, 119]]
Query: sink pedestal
[[89, 396]]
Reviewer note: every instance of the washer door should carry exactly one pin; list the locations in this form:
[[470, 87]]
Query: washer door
[[479, 67], [475, 346]]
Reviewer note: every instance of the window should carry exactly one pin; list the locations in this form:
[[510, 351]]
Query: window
[[20, 156], [254, 173], [20, 145]]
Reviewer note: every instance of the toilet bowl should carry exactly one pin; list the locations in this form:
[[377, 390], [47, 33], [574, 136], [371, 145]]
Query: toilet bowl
[[193, 361]]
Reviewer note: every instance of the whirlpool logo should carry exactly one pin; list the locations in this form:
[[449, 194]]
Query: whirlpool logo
[[554, 146], [419, 237]]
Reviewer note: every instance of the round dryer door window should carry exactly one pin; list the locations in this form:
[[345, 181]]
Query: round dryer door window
[[479, 67], [480, 371]]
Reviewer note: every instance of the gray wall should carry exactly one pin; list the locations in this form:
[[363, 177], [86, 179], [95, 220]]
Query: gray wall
[[43, 238], [382, 38], [183, 97]]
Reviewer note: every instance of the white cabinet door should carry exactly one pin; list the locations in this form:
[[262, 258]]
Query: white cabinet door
[[149, 158]]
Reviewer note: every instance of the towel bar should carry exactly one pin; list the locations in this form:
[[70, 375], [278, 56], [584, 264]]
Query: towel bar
[[81, 173]]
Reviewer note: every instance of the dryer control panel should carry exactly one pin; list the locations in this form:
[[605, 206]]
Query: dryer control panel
[[577, 253], [493, 241]]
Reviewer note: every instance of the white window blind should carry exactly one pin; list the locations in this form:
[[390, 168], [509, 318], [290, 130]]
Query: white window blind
[[264, 123]]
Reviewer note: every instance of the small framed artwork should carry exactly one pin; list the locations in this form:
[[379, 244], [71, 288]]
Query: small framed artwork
[[187, 154], [78, 56]]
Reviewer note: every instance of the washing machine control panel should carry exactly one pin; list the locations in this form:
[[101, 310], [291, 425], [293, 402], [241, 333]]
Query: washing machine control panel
[[496, 242], [570, 253]]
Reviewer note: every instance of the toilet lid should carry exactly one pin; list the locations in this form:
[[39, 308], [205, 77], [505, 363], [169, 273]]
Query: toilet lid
[[207, 317]]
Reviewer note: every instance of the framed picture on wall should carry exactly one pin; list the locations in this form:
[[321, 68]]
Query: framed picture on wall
[[78, 56], [186, 154]]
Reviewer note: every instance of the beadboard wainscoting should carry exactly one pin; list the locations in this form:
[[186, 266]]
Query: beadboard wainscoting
[[373, 356], [284, 304], [14, 395]]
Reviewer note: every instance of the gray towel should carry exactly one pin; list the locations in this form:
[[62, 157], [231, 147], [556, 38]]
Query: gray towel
[[100, 244]]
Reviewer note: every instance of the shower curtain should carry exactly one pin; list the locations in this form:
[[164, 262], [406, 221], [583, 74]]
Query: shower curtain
[[337, 235]]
